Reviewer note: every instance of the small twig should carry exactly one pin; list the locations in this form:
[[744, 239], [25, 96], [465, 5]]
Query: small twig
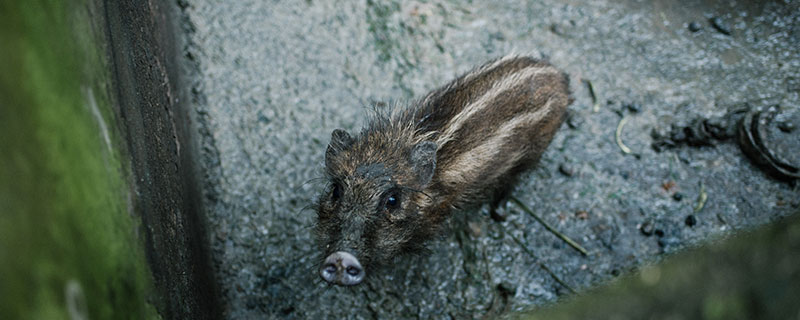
[[721, 219], [542, 265], [548, 227], [701, 199], [618, 136], [595, 104]]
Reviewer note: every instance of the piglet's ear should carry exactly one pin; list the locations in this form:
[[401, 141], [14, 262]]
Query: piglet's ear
[[423, 162], [340, 140]]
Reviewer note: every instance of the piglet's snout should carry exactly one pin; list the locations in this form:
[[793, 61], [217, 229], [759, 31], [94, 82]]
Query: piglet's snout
[[342, 268]]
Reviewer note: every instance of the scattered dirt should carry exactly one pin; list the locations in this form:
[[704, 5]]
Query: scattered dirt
[[272, 80]]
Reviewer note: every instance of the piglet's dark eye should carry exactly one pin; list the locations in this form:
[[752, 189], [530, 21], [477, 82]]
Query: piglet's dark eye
[[336, 193], [393, 201]]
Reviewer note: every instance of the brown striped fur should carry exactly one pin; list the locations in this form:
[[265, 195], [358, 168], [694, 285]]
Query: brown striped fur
[[460, 146]]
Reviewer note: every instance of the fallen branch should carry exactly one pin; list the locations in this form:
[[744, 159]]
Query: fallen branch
[[548, 227]]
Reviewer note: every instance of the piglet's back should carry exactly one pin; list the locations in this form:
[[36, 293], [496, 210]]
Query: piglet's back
[[491, 124]]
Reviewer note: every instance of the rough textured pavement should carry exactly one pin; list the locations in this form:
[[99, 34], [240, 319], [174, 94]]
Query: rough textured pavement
[[272, 80]]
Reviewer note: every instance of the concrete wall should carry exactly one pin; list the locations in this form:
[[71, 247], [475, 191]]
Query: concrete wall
[[99, 217]]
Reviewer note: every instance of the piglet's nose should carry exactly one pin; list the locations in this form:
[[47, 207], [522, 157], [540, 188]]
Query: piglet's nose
[[342, 268]]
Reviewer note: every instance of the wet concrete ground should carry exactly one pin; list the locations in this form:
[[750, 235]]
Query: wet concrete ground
[[272, 80]]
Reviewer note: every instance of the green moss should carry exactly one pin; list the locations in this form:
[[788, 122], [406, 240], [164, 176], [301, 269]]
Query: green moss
[[67, 238], [755, 275]]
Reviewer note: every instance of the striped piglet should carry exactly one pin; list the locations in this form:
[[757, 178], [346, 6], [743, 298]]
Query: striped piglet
[[393, 186]]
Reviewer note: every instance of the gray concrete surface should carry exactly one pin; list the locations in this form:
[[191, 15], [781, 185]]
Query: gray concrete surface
[[272, 80]]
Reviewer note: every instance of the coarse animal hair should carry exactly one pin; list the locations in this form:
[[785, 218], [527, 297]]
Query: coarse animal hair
[[394, 184]]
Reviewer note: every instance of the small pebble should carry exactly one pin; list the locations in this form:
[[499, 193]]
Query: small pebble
[[668, 185], [719, 128], [694, 26], [498, 215], [720, 25], [574, 121], [669, 243], [506, 288], [557, 29], [633, 107], [497, 36], [566, 169], [678, 134], [691, 220], [582, 214], [475, 229], [792, 83], [647, 228], [677, 196], [287, 310], [786, 126]]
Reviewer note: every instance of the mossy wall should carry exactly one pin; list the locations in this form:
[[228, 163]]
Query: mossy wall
[[754, 275], [68, 242]]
